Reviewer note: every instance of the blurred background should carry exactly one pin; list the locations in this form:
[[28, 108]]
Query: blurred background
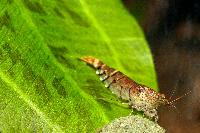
[[172, 29]]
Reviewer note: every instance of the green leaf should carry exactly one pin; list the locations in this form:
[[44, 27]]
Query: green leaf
[[43, 85]]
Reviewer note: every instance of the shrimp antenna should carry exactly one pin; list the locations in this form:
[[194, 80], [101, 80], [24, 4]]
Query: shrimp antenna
[[180, 97]]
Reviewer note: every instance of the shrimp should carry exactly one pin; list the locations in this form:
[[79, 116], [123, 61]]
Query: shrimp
[[139, 97]]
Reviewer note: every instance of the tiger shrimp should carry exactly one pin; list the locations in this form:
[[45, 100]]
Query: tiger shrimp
[[139, 97]]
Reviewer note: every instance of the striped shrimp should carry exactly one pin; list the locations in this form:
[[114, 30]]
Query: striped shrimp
[[139, 97]]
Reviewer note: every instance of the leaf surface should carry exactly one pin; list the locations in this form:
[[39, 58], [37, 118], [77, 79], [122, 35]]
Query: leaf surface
[[43, 85]]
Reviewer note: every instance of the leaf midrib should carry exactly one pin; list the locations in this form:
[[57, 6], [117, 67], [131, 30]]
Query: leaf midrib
[[101, 30]]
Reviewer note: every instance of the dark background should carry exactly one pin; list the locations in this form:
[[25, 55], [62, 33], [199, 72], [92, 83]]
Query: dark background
[[172, 28]]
